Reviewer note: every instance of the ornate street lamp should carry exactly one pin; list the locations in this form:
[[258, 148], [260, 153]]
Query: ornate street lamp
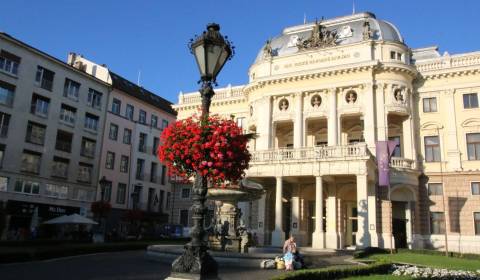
[[211, 51], [103, 184]]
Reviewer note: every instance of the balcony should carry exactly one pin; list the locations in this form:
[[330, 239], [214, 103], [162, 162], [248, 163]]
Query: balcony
[[402, 163], [328, 153]]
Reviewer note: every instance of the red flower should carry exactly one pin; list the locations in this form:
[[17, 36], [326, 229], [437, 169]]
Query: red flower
[[223, 154]]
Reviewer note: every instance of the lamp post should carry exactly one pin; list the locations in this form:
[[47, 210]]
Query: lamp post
[[211, 51]]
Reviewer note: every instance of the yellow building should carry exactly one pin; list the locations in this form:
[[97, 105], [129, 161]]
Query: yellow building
[[319, 97]]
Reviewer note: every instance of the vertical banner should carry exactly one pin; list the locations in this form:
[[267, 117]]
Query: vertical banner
[[384, 151]]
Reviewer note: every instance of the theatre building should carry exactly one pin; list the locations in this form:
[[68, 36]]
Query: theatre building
[[320, 97]]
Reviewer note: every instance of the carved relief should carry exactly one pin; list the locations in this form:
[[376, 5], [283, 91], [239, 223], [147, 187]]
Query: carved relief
[[351, 97], [316, 101], [367, 31], [283, 105]]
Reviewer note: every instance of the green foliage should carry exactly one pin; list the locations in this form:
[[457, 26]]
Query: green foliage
[[336, 273]]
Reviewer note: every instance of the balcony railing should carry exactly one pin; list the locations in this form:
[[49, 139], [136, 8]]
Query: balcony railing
[[404, 163], [311, 153]]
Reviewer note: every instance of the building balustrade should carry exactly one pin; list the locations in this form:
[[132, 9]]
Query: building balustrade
[[311, 153], [403, 163]]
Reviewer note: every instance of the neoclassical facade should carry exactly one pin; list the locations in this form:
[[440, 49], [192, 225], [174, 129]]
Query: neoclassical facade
[[319, 97]]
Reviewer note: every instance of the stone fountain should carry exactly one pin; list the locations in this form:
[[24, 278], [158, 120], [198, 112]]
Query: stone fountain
[[229, 233]]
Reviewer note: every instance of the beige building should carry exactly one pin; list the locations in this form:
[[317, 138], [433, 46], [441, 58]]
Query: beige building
[[134, 121], [52, 119], [319, 97]]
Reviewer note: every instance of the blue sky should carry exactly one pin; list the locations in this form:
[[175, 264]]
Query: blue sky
[[151, 36]]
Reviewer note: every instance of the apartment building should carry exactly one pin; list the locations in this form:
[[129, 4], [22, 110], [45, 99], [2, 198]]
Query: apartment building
[[135, 119], [52, 118]]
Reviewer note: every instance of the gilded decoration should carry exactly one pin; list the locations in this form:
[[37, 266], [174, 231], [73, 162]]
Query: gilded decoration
[[319, 38]]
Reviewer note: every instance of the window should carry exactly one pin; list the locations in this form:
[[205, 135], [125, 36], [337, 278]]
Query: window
[[94, 98], [3, 184], [83, 195], [475, 188], [113, 135], [164, 173], [167, 203], [392, 55], [107, 192], [116, 106], [142, 117], [473, 146], [470, 100], [154, 121], [142, 143], [88, 147], [156, 143], [140, 169], [36, 133], [476, 221], [430, 105], [68, 114], [44, 78], [56, 191], [129, 112], [240, 122], [121, 191], [127, 136], [84, 172], [9, 62], [110, 161], [64, 141], [7, 91], [435, 189], [4, 122], [2, 154], [399, 56], [31, 162], [91, 122], [437, 223], [164, 124], [39, 105], [124, 164], [71, 89], [153, 172], [27, 187], [432, 149], [60, 167], [184, 218], [397, 152], [186, 193]]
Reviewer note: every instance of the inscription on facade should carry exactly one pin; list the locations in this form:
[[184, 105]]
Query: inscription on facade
[[316, 61]]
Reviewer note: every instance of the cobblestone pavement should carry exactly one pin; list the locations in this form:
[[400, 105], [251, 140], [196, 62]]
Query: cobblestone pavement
[[129, 265]]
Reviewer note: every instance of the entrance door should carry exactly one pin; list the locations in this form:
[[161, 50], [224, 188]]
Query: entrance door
[[400, 232], [399, 223], [311, 222], [351, 224], [287, 218]]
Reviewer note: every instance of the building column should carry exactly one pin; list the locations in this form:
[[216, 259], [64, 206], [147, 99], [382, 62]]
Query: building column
[[368, 117], [318, 237], [298, 123], [382, 133], [363, 234], [453, 151], [372, 214], [332, 118], [264, 129], [296, 226], [332, 237], [278, 235]]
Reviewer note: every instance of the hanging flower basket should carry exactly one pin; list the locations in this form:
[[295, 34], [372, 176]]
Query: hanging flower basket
[[217, 149]]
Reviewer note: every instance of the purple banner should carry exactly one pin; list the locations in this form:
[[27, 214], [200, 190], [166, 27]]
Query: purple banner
[[384, 151]]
